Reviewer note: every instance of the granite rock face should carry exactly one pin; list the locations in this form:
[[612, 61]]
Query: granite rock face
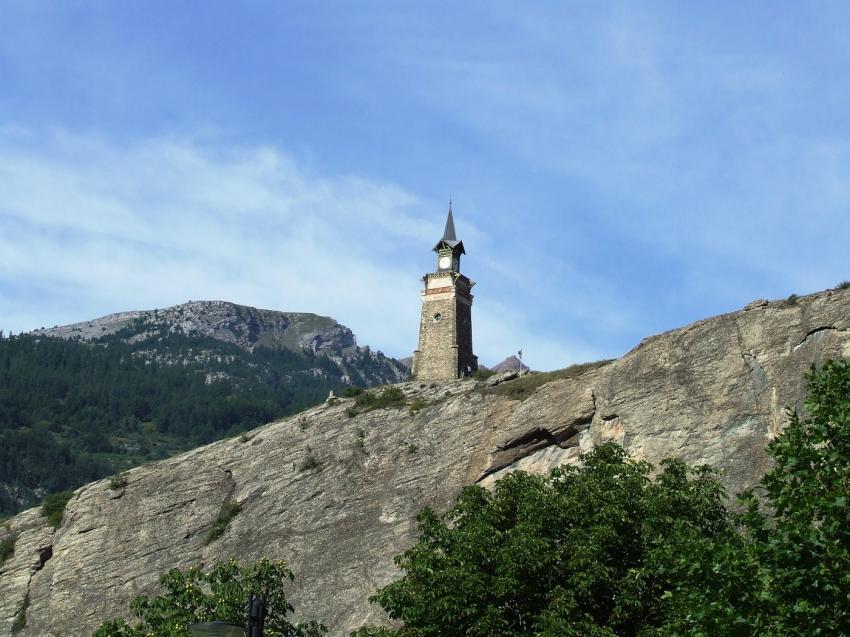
[[714, 392]]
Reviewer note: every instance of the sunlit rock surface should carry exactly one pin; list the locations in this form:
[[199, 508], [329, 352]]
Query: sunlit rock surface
[[714, 392]]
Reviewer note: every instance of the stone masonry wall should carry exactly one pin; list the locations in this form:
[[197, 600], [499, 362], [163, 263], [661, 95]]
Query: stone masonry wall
[[466, 359], [445, 345], [437, 356]]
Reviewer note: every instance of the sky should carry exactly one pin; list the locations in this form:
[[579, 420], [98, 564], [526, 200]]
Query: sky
[[617, 169]]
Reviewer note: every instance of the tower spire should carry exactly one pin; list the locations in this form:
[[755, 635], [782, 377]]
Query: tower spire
[[449, 232]]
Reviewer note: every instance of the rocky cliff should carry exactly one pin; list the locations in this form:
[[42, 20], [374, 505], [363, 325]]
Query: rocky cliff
[[714, 391]]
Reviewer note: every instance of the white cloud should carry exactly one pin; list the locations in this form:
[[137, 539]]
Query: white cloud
[[90, 227]]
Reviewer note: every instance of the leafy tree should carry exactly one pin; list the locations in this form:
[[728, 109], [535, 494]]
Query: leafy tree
[[192, 596], [53, 507], [788, 573], [581, 552]]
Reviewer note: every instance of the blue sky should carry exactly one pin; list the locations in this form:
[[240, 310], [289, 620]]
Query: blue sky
[[617, 169]]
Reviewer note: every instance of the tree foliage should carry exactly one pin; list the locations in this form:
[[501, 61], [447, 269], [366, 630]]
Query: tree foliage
[[788, 573], [581, 552], [606, 550], [193, 596], [53, 507]]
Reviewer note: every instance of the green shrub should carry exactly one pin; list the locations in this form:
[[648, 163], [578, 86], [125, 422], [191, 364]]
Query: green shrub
[[351, 412], [53, 507], [418, 404], [392, 396], [844, 285], [243, 438], [482, 374], [118, 481], [790, 301], [389, 397], [351, 392], [412, 449], [7, 548], [311, 462], [229, 510], [21, 616], [359, 440]]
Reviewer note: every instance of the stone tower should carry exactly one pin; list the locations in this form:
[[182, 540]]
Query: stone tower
[[445, 331]]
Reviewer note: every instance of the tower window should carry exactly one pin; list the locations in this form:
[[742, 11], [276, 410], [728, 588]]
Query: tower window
[[438, 317]]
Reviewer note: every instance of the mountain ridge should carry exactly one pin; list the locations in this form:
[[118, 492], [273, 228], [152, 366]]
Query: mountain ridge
[[216, 319], [241, 325]]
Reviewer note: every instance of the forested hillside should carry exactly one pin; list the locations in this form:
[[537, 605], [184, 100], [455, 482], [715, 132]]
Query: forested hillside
[[74, 410]]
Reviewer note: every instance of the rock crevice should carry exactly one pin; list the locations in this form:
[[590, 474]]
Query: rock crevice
[[814, 332]]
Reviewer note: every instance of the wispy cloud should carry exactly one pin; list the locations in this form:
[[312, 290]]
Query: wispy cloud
[[163, 220]]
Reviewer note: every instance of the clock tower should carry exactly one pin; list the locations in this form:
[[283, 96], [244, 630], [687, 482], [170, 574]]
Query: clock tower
[[445, 329]]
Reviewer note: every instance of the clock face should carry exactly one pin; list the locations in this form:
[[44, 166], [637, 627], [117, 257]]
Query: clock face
[[445, 262]]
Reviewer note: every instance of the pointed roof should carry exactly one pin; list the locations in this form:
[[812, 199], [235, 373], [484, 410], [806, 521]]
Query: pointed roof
[[449, 232], [449, 236]]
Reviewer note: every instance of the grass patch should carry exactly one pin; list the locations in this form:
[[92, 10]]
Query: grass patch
[[229, 510], [390, 397], [359, 440], [7, 548], [417, 405], [311, 462], [21, 616], [367, 401], [53, 507], [118, 481], [522, 387], [482, 374], [412, 449]]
